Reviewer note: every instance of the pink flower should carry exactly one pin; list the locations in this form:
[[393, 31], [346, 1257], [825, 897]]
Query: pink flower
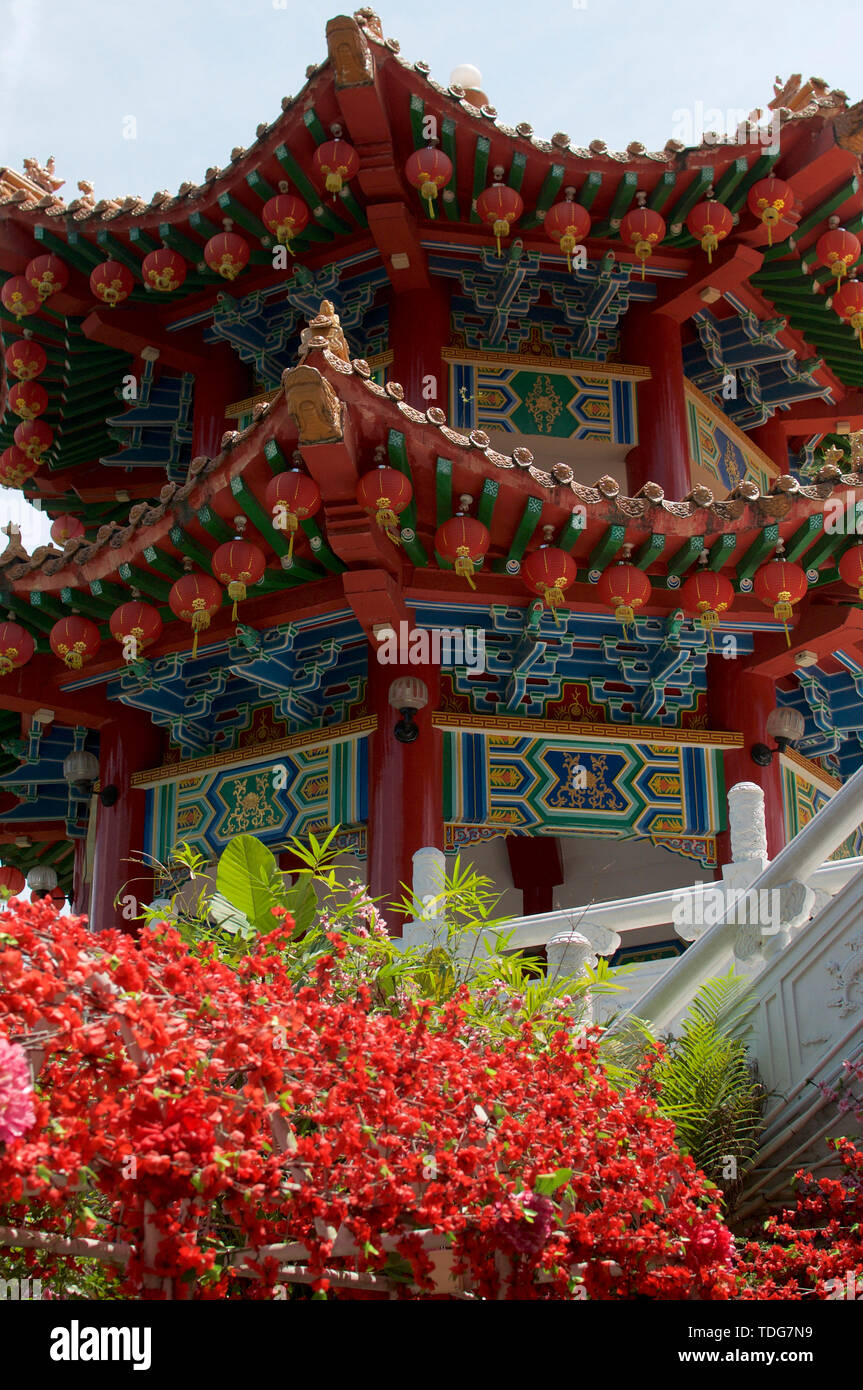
[[16, 1093]]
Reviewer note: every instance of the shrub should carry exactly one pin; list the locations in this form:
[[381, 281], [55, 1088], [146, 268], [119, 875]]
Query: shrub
[[219, 1130]]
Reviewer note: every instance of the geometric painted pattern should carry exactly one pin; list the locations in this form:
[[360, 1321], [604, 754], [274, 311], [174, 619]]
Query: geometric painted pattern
[[720, 458], [514, 784], [553, 403], [802, 799], [294, 791]]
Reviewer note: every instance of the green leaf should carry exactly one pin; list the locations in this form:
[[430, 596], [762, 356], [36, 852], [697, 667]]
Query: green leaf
[[548, 1183], [249, 877]]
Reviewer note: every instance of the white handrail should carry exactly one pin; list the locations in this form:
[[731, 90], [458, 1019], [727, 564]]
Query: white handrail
[[799, 861]]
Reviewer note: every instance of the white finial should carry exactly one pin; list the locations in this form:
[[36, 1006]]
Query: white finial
[[467, 76]]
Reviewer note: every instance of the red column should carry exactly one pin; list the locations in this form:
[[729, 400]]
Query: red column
[[771, 437], [128, 744], [405, 786], [536, 869], [652, 339], [419, 329], [226, 380], [740, 702]]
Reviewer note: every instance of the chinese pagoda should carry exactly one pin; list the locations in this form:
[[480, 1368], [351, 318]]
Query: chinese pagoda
[[402, 372]]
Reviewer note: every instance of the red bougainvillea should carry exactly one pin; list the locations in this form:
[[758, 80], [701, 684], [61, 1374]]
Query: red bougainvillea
[[213, 1131]]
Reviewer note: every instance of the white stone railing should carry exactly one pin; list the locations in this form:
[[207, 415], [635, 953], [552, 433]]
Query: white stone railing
[[604, 925]]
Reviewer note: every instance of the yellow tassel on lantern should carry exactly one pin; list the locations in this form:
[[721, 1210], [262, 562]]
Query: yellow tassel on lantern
[[709, 620], [236, 591], [500, 228], [200, 622], [642, 251], [334, 182], [567, 244], [464, 565], [709, 244], [291, 525], [429, 193], [387, 520], [74, 660], [553, 595], [783, 610]]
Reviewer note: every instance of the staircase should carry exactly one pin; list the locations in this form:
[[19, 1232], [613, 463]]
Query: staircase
[[793, 926]]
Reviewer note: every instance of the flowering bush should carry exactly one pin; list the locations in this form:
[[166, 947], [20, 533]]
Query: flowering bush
[[816, 1248], [214, 1129]]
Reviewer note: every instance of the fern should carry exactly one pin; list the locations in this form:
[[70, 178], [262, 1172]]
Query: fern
[[705, 1080]]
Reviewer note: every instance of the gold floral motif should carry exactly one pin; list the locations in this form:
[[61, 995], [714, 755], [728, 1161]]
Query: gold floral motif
[[543, 404]]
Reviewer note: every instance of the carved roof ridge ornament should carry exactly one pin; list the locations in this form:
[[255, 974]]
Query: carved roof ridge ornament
[[324, 331], [349, 52], [314, 406]]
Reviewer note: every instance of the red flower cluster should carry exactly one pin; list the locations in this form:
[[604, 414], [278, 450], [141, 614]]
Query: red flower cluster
[[231, 1134], [816, 1250]]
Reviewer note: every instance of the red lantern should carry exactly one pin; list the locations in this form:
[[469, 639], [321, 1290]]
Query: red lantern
[[111, 282], [194, 598], [290, 498], [848, 304], [386, 492], [75, 639], [463, 540], [780, 584], [28, 399], [286, 216], [642, 229], [12, 880], [851, 568], [238, 564], [549, 571], [624, 588], [568, 224], [19, 297], [26, 359], [163, 270], [16, 467], [337, 162], [710, 223], [771, 200], [227, 253], [33, 438], [47, 275], [707, 595], [16, 647], [500, 206], [66, 528], [428, 171], [837, 250], [137, 625]]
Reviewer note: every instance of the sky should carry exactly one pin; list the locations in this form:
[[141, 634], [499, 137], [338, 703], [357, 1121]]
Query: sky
[[197, 76]]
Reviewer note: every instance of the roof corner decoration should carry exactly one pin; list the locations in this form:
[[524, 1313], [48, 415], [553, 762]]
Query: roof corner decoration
[[349, 52], [314, 405]]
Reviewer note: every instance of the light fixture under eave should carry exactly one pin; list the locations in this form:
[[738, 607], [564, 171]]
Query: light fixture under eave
[[42, 879], [408, 694], [786, 726], [81, 770]]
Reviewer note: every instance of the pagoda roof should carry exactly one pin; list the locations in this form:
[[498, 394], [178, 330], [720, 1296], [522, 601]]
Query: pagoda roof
[[380, 100], [354, 419]]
